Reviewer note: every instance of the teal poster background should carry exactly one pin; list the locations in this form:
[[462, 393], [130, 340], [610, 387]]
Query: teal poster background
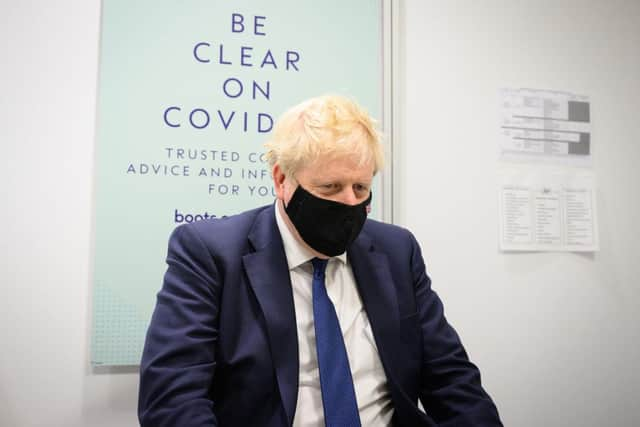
[[188, 93]]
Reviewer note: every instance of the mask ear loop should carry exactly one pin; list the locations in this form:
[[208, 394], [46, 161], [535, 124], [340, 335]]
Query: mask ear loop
[[300, 202], [294, 191]]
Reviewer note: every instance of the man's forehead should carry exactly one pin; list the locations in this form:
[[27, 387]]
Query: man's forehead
[[328, 165]]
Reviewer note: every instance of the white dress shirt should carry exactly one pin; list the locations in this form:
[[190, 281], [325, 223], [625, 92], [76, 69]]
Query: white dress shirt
[[369, 379]]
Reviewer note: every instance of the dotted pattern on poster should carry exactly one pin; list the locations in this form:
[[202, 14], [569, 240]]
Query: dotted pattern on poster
[[118, 330]]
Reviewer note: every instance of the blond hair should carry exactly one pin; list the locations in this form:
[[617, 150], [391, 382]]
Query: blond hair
[[327, 125]]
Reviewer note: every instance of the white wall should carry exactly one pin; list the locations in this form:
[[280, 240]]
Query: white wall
[[556, 335], [49, 54]]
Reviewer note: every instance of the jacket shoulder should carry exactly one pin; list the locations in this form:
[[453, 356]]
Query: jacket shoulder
[[222, 233], [387, 234]]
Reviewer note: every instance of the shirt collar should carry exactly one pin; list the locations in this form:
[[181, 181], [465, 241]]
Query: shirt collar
[[295, 252]]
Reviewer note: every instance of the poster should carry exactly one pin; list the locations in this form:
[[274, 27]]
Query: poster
[[188, 94]]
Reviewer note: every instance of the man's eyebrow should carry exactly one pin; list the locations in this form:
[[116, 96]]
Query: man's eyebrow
[[367, 181], [323, 180]]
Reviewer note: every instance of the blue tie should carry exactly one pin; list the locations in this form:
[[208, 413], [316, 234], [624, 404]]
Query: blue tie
[[338, 395]]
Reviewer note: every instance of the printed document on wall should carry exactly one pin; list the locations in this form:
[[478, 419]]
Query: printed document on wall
[[548, 211], [544, 125]]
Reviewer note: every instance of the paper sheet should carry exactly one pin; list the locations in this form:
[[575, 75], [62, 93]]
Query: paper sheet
[[548, 211], [544, 125]]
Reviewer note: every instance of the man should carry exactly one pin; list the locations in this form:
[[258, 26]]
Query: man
[[306, 313]]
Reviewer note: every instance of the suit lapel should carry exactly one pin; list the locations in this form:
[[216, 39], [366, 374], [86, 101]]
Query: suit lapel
[[378, 293], [269, 278]]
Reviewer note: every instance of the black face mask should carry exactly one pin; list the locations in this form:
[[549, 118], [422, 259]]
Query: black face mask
[[327, 226]]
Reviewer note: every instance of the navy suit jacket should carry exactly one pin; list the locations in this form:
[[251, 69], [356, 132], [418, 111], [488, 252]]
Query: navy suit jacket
[[222, 347]]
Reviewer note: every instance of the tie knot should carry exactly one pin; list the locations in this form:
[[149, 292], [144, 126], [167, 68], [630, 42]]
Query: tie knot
[[319, 265]]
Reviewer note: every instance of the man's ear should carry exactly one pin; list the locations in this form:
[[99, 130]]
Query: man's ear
[[278, 181]]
